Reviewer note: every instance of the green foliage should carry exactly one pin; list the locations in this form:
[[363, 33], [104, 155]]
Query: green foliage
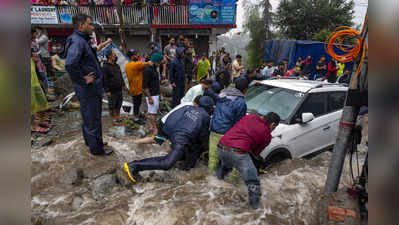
[[257, 35], [130, 124], [258, 22], [322, 36], [306, 19]]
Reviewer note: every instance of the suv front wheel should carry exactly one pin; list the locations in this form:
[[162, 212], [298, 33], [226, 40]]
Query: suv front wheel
[[277, 156]]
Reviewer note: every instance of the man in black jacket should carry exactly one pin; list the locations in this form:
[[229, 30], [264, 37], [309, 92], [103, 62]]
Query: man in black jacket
[[87, 79], [222, 81], [151, 89], [113, 85], [345, 78], [188, 129], [188, 67], [279, 72], [177, 77]]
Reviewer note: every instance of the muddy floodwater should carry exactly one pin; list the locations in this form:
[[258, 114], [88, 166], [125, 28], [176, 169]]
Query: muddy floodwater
[[70, 186]]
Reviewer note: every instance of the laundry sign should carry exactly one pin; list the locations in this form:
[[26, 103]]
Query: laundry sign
[[43, 15]]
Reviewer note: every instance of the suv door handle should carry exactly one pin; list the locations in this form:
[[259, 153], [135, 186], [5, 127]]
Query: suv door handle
[[326, 128]]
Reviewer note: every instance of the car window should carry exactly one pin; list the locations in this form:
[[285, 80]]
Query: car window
[[315, 103], [335, 101], [265, 99]]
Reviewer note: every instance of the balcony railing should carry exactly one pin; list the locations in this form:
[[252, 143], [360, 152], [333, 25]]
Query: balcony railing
[[170, 15], [107, 15]]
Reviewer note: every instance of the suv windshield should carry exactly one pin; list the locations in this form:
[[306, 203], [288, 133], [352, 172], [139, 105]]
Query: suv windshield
[[265, 99]]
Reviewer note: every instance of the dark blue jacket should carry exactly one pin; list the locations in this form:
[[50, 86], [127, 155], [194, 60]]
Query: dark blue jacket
[[81, 59], [245, 76], [187, 125], [177, 69], [217, 87], [230, 108], [214, 91]]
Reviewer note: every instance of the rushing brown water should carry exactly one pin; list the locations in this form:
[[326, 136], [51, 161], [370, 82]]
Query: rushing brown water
[[290, 190]]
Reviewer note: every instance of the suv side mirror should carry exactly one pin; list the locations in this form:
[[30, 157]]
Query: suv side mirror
[[307, 117]]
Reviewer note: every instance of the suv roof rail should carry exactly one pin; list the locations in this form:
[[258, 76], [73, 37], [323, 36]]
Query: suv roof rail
[[325, 84]]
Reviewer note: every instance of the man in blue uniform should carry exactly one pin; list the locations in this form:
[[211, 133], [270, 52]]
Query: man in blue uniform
[[188, 129], [177, 76], [87, 78]]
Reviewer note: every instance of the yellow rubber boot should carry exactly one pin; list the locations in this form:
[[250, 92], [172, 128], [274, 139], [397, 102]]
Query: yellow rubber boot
[[127, 171]]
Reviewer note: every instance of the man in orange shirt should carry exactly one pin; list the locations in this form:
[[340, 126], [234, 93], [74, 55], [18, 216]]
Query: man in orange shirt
[[134, 73]]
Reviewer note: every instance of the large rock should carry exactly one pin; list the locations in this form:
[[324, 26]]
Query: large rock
[[102, 186], [122, 179], [63, 85], [74, 177]]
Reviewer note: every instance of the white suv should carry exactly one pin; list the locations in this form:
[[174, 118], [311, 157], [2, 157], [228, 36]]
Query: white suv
[[310, 112]]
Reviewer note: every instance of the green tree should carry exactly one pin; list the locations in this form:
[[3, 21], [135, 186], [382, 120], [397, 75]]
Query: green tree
[[258, 23], [302, 19], [322, 36]]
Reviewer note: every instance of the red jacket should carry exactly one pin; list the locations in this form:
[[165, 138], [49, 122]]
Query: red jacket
[[289, 73], [331, 70], [250, 134]]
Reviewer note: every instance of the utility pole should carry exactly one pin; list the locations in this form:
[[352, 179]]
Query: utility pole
[[122, 34], [347, 124]]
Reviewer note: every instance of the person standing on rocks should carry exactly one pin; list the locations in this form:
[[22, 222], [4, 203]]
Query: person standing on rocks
[[188, 129], [42, 41], [177, 77], [134, 73], [113, 85], [170, 55], [188, 67], [237, 68], [154, 48], [248, 137], [203, 68], [152, 89], [84, 69]]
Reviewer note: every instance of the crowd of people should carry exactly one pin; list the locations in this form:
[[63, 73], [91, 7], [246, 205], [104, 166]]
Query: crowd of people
[[41, 68], [331, 72], [104, 2], [209, 112]]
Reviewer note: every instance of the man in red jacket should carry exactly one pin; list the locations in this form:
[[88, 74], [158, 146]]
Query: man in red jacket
[[249, 136]]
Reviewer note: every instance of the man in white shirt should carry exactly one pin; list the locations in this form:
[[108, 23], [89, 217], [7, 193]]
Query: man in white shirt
[[238, 68], [197, 90], [42, 42], [268, 70]]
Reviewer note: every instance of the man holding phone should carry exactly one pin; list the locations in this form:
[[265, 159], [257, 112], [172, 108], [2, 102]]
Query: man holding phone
[[87, 78]]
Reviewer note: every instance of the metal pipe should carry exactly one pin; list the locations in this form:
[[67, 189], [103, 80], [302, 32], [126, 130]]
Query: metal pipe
[[340, 149], [347, 124]]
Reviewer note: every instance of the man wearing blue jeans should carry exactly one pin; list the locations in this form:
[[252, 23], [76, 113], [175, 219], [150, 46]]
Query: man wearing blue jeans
[[230, 108], [247, 137]]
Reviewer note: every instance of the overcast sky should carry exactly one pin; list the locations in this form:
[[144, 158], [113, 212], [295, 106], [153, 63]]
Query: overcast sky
[[360, 12]]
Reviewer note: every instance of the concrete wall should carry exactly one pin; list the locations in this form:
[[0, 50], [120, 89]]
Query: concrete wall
[[136, 42], [139, 43]]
